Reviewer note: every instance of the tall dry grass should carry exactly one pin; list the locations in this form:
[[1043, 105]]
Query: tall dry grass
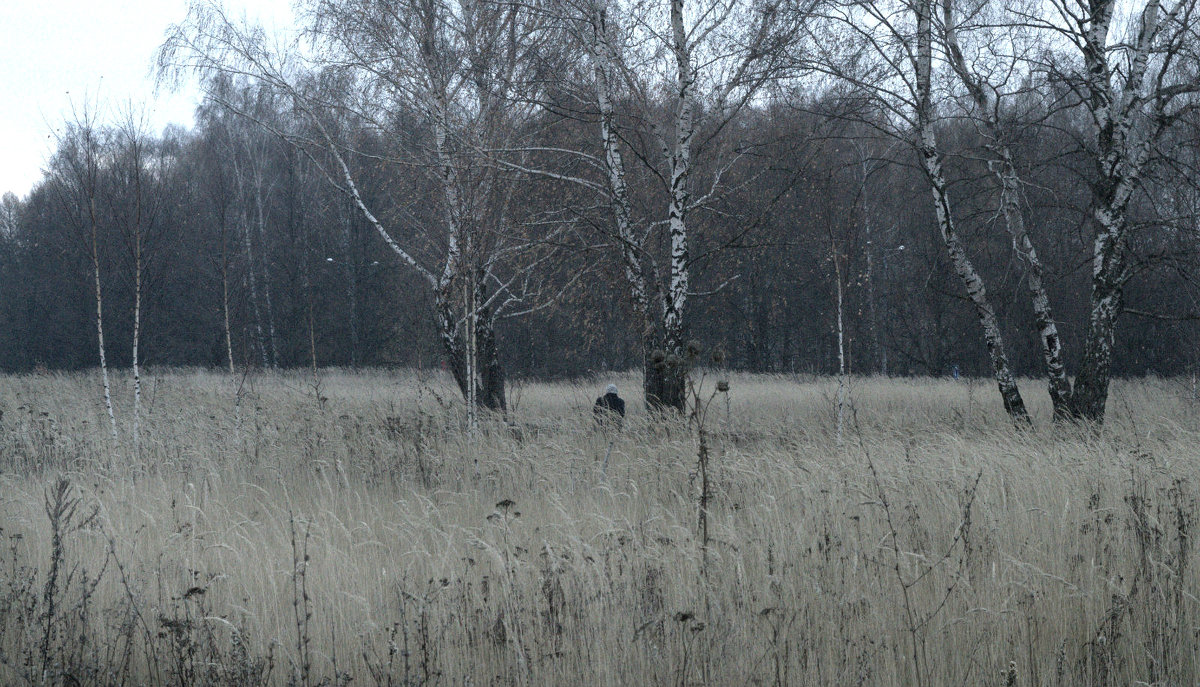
[[273, 531]]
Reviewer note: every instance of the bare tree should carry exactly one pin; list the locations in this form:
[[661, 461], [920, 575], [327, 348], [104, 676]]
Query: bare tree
[[250, 153], [931, 157], [1135, 73], [988, 75], [870, 163], [10, 207], [130, 201], [215, 181], [665, 80], [75, 171], [455, 68], [892, 63]]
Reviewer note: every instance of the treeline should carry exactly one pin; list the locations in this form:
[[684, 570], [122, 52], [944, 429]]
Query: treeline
[[238, 208], [544, 210]]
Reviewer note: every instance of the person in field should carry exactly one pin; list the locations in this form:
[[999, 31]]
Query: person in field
[[609, 408]]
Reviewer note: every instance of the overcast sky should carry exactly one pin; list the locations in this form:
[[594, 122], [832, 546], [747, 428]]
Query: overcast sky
[[57, 52]]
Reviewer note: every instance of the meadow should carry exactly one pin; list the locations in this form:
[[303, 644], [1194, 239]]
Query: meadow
[[278, 530]]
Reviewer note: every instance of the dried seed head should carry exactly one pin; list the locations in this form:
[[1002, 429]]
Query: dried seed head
[[693, 349], [723, 386]]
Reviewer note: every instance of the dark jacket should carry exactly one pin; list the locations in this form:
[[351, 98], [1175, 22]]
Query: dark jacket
[[609, 408]]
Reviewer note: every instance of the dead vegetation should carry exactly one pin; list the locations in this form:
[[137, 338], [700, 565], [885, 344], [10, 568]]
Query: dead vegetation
[[268, 533]]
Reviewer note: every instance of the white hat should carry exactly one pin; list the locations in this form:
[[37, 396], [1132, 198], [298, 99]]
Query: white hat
[[612, 389]]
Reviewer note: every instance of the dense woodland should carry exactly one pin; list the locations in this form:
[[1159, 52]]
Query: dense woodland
[[326, 211]]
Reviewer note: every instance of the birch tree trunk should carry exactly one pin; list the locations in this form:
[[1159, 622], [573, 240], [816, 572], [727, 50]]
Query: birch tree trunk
[[260, 217], [492, 378], [456, 345], [472, 74], [1014, 405], [1095, 368], [679, 164], [478, 327], [137, 310], [134, 225], [225, 294], [632, 243], [252, 281], [1059, 386], [841, 340], [1005, 170], [78, 187], [739, 53], [490, 392], [351, 270], [112, 418], [1108, 290], [1123, 135], [477, 370]]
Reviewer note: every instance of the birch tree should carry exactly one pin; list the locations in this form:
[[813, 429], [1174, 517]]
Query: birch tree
[[10, 207], [667, 78], [1134, 70], [987, 76], [76, 171], [130, 200], [240, 180], [892, 61], [215, 183], [466, 70], [600, 29], [250, 153], [452, 68]]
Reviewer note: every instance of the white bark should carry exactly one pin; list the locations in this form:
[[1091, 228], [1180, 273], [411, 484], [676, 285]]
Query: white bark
[[1131, 106], [225, 297], [738, 54], [679, 165], [108, 405], [841, 340], [468, 68], [264, 256], [987, 110], [137, 313], [134, 220], [351, 272], [85, 172], [1048, 336], [252, 281], [223, 219], [351, 188], [632, 245], [973, 282], [931, 159]]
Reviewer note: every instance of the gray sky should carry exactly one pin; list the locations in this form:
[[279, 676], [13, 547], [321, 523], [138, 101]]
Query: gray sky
[[55, 52]]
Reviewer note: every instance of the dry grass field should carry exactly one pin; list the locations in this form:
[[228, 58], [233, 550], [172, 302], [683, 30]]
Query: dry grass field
[[269, 531]]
